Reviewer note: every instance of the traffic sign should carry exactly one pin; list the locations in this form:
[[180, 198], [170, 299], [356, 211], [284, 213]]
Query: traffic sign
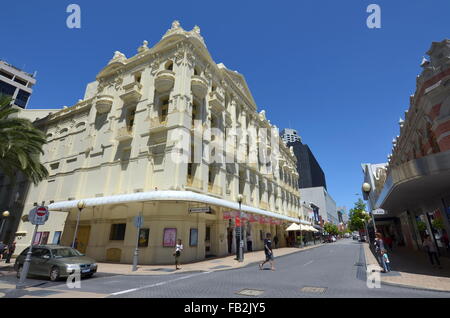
[[138, 221], [378, 212], [38, 215], [206, 209]]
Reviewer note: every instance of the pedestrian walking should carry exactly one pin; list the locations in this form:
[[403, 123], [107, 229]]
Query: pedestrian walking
[[386, 261], [2, 249], [177, 254], [379, 246], [268, 251], [11, 250], [430, 248]]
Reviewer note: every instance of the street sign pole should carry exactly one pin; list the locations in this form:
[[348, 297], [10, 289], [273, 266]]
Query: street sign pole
[[138, 224], [241, 242], [76, 229], [26, 265]]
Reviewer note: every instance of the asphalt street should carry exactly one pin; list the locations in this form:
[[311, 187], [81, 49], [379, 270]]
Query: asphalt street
[[333, 270]]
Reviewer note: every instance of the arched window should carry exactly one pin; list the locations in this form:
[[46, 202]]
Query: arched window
[[169, 66]]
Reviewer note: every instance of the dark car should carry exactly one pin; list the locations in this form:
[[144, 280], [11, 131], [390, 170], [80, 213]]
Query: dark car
[[56, 262]]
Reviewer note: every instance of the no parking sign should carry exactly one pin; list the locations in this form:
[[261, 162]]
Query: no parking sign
[[38, 215]]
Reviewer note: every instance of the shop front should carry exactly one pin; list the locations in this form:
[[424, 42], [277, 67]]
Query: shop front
[[106, 231]]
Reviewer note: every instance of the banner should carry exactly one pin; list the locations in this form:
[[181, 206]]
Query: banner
[[254, 218]]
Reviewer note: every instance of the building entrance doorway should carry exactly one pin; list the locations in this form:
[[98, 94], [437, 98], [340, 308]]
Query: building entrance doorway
[[83, 238], [230, 240]]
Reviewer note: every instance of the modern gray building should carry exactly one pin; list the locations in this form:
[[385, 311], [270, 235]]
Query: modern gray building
[[290, 135], [16, 83], [318, 196]]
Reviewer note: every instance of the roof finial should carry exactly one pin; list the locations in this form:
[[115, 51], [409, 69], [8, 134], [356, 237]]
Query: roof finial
[[175, 24]]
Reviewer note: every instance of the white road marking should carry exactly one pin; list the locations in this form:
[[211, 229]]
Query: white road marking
[[308, 263], [158, 284]]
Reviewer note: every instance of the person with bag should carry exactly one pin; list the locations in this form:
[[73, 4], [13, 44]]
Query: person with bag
[[268, 251], [177, 254], [430, 248], [11, 250], [379, 247]]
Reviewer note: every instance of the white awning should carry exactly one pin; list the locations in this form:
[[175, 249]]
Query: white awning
[[167, 196], [293, 227]]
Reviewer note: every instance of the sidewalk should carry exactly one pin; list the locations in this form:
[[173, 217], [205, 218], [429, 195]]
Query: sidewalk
[[412, 269], [216, 264]]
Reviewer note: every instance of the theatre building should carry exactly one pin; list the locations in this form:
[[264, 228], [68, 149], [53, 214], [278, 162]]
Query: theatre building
[[172, 135]]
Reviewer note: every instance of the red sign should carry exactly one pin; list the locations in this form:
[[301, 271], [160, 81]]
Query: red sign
[[254, 218], [41, 211], [238, 221]]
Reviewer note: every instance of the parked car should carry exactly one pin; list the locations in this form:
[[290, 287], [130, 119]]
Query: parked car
[[356, 237], [56, 262]]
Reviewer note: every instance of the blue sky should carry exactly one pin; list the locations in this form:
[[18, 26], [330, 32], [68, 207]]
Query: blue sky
[[312, 65]]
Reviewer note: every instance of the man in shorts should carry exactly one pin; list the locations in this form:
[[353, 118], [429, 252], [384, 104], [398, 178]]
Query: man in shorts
[[268, 252]]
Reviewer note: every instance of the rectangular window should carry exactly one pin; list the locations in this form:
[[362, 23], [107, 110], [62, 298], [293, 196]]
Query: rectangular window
[[44, 238], [37, 239], [117, 232], [20, 81], [57, 238], [6, 74], [22, 98]]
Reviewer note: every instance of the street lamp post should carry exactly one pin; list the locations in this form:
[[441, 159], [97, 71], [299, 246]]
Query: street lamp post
[[366, 187], [241, 242], [81, 205], [5, 214]]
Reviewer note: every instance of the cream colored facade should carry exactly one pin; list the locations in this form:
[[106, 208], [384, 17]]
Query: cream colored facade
[[156, 122]]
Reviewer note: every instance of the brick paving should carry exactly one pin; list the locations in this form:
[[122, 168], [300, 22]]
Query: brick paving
[[108, 269]]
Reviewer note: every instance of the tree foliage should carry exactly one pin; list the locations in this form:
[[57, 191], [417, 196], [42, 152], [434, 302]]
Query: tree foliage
[[331, 228], [20, 144], [358, 216]]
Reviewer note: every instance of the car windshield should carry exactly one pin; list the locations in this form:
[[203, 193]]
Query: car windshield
[[65, 252]]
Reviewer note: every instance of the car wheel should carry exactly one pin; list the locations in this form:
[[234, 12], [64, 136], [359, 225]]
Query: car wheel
[[19, 271], [54, 274], [90, 275]]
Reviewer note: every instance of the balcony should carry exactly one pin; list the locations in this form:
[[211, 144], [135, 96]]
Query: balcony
[[199, 86], [158, 123], [104, 103], [124, 134], [132, 92], [164, 81], [216, 102]]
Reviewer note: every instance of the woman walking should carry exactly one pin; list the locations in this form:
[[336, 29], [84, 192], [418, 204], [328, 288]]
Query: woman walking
[[177, 254], [430, 248]]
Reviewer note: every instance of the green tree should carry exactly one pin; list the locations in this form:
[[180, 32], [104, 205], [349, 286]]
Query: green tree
[[358, 216], [20, 144], [331, 228]]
